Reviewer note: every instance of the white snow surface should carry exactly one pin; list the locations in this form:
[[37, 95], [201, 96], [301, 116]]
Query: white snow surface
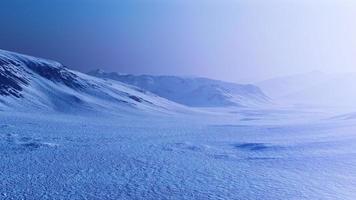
[[241, 154]]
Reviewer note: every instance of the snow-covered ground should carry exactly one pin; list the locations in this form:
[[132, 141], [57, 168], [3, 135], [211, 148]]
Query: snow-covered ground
[[240, 154]]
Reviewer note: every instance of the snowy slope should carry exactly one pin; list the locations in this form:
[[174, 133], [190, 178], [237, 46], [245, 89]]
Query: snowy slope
[[28, 83], [196, 92]]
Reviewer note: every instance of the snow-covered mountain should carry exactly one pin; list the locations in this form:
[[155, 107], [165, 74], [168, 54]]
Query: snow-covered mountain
[[285, 85], [195, 92], [28, 83], [314, 88]]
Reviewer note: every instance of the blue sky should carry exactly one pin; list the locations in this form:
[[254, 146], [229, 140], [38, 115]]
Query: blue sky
[[236, 40]]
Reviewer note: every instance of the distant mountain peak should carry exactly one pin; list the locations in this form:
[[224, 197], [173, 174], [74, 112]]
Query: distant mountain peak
[[99, 71]]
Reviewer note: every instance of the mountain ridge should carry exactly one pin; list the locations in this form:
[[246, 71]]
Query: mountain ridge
[[192, 91]]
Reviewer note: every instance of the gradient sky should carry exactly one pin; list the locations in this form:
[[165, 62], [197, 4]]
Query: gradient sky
[[236, 40]]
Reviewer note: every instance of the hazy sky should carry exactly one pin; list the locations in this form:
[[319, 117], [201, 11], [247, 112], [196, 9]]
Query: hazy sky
[[225, 39]]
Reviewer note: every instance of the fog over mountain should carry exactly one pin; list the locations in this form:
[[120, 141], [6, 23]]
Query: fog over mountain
[[314, 88]]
